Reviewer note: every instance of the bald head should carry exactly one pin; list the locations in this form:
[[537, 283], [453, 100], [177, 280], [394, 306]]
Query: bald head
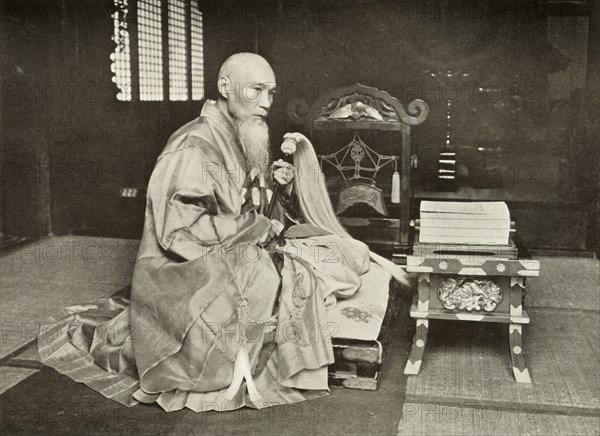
[[246, 86], [244, 66]]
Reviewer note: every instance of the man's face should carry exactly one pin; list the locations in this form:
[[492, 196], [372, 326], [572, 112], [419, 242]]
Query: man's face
[[251, 93], [250, 90]]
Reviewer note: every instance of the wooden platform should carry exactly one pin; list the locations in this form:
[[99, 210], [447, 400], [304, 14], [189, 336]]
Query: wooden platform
[[357, 362]]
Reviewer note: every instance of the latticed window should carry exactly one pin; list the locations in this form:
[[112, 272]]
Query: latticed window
[[159, 53]]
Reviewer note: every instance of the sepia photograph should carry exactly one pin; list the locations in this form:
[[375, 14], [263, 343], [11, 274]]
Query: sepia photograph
[[300, 217]]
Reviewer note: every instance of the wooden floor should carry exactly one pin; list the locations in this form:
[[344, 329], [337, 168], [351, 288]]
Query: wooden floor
[[465, 385]]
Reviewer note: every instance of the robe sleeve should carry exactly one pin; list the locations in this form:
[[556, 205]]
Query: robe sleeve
[[187, 193]]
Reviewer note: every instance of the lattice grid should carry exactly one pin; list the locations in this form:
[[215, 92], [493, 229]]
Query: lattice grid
[[177, 52], [185, 50], [150, 50], [197, 56], [120, 58]]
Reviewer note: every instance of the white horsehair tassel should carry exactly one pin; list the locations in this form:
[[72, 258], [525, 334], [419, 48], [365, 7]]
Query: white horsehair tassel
[[396, 187]]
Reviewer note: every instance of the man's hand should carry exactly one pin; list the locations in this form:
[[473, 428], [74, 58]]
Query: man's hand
[[276, 227], [270, 238], [283, 172]]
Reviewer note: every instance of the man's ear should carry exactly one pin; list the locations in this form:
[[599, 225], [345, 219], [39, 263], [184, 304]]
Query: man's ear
[[223, 86]]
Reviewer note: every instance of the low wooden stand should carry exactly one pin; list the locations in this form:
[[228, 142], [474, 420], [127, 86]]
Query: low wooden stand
[[468, 287], [358, 363]]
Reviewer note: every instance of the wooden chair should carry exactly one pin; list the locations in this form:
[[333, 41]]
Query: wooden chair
[[374, 208], [370, 207]]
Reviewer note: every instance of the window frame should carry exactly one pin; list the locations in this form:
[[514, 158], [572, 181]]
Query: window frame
[[134, 59]]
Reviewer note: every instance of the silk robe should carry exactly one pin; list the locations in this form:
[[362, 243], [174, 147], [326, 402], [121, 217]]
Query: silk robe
[[203, 287]]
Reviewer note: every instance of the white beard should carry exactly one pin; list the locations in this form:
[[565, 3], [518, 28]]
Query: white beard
[[253, 135]]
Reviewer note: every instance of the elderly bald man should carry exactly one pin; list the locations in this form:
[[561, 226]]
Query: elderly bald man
[[200, 316], [201, 274]]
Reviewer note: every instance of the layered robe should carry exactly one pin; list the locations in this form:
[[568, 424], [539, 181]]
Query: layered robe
[[203, 286]]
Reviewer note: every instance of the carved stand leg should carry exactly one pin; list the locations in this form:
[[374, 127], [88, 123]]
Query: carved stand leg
[[515, 332], [418, 347], [517, 357]]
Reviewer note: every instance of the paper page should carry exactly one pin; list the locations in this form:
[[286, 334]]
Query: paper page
[[498, 209]]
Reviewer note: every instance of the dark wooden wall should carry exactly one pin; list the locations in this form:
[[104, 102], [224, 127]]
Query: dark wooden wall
[[68, 145], [531, 55]]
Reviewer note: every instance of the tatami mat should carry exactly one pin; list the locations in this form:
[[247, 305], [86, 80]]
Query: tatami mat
[[465, 386], [444, 419], [470, 361], [565, 282], [30, 310], [72, 258], [73, 408], [39, 278], [10, 376], [29, 354]]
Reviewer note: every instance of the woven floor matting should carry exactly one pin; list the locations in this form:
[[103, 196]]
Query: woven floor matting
[[470, 361]]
